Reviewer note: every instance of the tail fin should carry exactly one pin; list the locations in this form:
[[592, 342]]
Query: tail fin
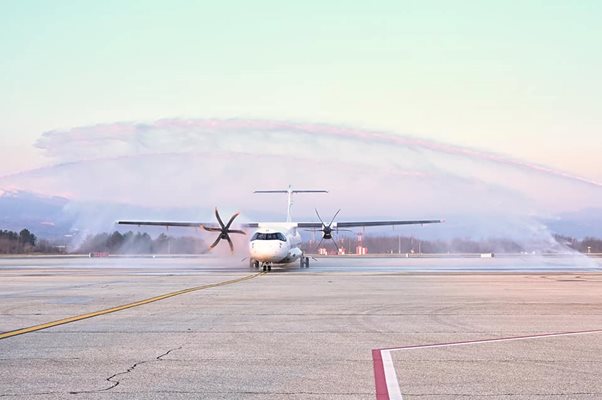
[[290, 192]]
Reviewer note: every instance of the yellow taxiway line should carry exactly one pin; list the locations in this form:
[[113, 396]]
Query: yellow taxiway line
[[68, 320]]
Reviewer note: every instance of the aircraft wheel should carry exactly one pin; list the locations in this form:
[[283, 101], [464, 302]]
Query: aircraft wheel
[[264, 267], [306, 262], [301, 262], [256, 264], [269, 267]]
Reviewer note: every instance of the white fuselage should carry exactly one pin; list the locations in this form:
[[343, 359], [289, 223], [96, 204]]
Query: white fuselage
[[275, 243]]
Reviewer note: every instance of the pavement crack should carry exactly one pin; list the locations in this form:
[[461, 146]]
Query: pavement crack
[[167, 352], [115, 382]]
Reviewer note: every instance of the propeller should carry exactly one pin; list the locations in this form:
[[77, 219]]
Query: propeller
[[224, 230], [327, 230]]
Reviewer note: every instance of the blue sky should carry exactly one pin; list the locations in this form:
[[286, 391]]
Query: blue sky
[[516, 77]]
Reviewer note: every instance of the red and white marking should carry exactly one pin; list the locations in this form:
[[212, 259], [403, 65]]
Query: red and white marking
[[385, 377]]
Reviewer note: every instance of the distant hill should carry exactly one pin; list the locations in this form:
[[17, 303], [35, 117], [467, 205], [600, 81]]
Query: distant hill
[[578, 224], [55, 217], [41, 214]]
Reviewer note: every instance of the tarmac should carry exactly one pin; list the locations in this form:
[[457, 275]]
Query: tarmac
[[346, 328]]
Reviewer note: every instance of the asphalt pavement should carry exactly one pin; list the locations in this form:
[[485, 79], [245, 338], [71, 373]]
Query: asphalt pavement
[[302, 334]]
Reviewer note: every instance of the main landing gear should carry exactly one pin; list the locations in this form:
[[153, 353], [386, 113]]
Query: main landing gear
[[253, 264], [304, 262], [267, 266]]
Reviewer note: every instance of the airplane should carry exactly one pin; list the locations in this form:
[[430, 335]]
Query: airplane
[[277, 243]]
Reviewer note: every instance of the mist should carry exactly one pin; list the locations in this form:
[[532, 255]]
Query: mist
[[197, 164]]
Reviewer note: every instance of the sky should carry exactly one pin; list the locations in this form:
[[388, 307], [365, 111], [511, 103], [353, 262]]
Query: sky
[[518, 78]]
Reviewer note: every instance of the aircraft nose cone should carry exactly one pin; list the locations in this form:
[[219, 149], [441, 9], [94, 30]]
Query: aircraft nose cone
[[268, 250]]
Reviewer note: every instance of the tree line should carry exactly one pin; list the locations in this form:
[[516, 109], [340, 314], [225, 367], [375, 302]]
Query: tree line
[[25, 242], [141, 243], [410, 245], [586, 245]]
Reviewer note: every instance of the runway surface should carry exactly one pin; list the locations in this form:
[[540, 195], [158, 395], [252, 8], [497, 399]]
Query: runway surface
[[303, 334]]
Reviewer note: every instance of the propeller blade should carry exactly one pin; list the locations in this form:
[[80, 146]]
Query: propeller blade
[[336, 244], [335, 215], [224, 230], [216, 242], [318, 245], [219, 219], [231, 220], [320, 218]]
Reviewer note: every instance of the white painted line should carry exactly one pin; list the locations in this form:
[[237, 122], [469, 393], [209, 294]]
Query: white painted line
[[390, 376], [504, 339], [389, 369]]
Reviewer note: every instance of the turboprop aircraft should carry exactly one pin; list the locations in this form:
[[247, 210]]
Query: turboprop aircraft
[[277, 242]]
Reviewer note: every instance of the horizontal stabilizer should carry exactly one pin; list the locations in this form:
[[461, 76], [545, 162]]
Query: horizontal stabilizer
[[291, 191]]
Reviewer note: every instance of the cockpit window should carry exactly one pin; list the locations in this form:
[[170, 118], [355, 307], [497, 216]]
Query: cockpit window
[[269, 236]]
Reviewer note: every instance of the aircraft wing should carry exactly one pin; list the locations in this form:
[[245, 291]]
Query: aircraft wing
[[162, 223], [185, 224], [361, 224]]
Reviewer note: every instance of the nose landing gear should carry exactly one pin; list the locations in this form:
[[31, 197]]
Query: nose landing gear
[[265, 266]]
